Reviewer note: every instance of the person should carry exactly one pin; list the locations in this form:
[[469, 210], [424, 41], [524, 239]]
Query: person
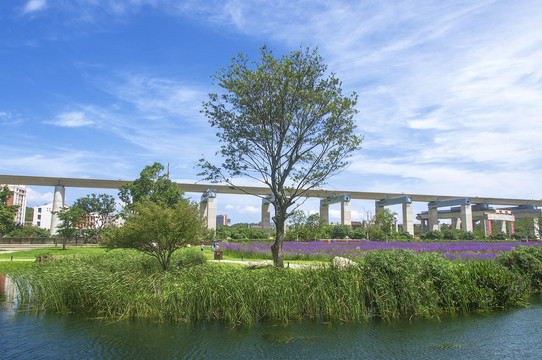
[[202, 246]]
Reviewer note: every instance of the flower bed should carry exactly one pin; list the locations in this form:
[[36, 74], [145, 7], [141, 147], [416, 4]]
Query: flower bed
[[311, 250]]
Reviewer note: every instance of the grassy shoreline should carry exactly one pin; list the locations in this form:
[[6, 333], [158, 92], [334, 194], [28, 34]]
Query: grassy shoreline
[[385, 284]]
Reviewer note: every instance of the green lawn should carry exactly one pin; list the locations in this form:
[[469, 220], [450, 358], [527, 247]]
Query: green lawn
[[53, 251]]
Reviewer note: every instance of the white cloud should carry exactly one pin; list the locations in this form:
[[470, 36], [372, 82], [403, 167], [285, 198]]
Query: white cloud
[[35, 5], [71, 119], [36, 197]]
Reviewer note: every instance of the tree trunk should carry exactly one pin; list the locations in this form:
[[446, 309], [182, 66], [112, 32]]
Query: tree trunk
[[276, 248]]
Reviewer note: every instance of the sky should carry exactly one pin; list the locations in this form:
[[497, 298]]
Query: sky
[[450, 92]]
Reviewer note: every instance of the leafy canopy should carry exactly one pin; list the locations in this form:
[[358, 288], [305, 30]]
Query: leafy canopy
[[158, 230], [100, 210], [7, 212], [150, 186], [284, 122]]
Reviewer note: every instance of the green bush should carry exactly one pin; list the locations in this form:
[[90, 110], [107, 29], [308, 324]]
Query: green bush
[[341, 232], [527, 260], [498, 236], [430, 235], [188, 258], [376, 234]]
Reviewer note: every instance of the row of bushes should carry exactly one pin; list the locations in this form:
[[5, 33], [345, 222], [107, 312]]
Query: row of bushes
[[385, 284]]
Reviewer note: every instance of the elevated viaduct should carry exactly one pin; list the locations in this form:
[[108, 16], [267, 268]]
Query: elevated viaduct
[[328, 197]]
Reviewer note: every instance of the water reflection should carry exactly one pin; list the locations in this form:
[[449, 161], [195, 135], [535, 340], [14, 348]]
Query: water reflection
[[502, 334]]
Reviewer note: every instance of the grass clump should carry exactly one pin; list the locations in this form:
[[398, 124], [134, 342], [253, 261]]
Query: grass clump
[[385, 284]]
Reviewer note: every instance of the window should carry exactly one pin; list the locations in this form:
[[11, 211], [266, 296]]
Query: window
[[39, 217], [39, 223], [39, 210]]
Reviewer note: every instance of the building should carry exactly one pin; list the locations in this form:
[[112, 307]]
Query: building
[[18, 198], [42, 216], [222, 220]]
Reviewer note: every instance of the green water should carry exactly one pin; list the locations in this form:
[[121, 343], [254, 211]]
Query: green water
[[510, 334]]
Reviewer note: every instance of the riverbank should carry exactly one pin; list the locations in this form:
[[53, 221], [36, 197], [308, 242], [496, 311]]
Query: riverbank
[[384, 284]]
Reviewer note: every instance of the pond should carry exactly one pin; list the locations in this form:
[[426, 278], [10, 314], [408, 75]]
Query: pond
[[513, 333]]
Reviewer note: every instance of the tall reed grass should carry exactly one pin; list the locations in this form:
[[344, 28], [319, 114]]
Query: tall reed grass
[[385, 284]]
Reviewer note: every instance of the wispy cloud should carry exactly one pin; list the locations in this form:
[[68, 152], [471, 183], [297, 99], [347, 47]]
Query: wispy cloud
[[34, 5], [71, 119]]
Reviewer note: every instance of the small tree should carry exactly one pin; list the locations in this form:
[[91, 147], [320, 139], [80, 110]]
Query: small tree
[[314, 225], [71, 221], [283, 122], [150, 186], [298, 220], [99, 209], [384, 219], [158, 230], [7, 212]]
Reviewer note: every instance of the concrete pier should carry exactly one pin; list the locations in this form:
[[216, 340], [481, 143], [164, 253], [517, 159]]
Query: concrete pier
[[58, 205], [208, 208], [346, 216]]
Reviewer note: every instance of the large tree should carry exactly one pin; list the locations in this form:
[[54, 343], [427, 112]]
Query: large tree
[[7, 212], [99, 210], [158, 230], [284, 122], [150, 186]]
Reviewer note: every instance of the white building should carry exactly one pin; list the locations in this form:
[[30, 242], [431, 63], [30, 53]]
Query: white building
[[18, 198], [42, 216]]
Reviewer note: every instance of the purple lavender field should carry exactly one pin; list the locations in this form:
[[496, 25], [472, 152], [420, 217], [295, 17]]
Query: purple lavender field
[[320, 249]]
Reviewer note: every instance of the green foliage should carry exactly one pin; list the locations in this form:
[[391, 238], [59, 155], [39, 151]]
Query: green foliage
[[7, 212], [282, 121], [527, 261], [158, 230], [406, 235], [384, 219], [376, 234], [150, 186], [240, 232], [359, 233], [430, 235], [498, 236], [386, 284], [29, 231], [71, 221], [189, 258], [100, 208], [341, 232]]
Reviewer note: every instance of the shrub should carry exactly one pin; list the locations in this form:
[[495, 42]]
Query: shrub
[[498, 236], [359, 233], [430, 235], [376, 234], [341, 232], [189, 257], [527, 260]]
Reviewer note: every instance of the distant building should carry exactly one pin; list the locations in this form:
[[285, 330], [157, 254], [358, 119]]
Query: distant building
[[18, 198], [222, 220], [42, 216]]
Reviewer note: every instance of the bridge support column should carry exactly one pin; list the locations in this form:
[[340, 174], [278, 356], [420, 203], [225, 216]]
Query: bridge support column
[[456, 223], [58, 205], [536, 228], [346, 214], [346, 217], [433, 219], [324, 213], [501, 226], [266, 212], [466, 217], [408, 218], [208, 208]]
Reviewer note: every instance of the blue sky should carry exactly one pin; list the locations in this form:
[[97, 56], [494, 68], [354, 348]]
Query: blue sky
[[450, 92]]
